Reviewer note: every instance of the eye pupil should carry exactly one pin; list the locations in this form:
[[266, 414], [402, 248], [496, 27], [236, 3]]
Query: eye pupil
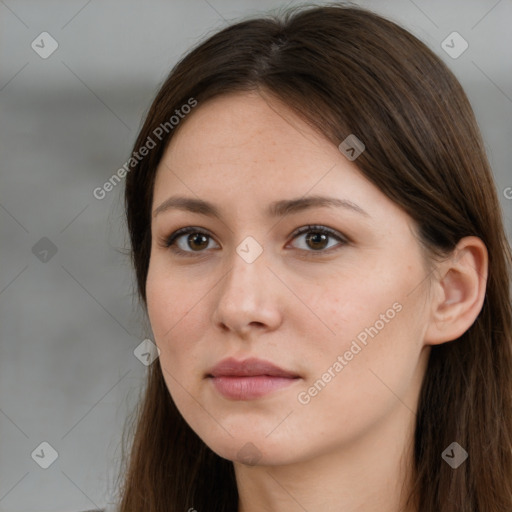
[[316, 238], [193, 238]]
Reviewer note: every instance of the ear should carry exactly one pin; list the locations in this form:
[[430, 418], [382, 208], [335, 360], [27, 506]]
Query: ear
[[458, 291]]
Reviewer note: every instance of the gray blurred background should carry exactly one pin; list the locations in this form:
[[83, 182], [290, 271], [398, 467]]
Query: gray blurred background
[[69, 321]]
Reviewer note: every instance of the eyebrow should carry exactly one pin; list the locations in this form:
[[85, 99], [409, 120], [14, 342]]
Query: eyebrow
[[280, 208]]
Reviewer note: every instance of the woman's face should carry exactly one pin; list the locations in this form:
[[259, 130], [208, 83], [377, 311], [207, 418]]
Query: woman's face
[[345, 313]]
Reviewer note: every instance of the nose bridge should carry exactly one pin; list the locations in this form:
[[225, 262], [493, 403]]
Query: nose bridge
[[244, 295], [248, 272]]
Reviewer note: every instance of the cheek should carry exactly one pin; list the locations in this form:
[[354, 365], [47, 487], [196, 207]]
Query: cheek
[[355, 378], [352, 304], [159, 297], [171, 323], [178, 317], [169, 299], [169, 312], [371, 319], [175, 321]]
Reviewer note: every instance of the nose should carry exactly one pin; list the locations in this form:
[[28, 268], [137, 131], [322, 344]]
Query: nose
[[248, 298]]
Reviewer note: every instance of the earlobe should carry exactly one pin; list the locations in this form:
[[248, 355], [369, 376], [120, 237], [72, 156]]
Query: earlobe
[[460, 285]]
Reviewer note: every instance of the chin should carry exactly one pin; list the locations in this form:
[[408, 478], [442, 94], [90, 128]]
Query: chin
[[251, 451]]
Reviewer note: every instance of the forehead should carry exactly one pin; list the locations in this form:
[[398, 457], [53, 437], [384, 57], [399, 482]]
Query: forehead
[[242, 153], [242, 138], [245, 126]]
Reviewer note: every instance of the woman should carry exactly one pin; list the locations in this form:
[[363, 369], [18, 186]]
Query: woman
[[318, 245]]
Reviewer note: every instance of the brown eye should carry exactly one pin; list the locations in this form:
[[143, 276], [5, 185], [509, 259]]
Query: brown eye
[[316, 241], [317, 238], [197, 241]]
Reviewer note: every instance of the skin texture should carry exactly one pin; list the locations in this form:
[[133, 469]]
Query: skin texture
[[348, 447]]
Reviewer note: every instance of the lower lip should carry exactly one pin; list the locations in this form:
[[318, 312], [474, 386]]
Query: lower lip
[[249, 388]]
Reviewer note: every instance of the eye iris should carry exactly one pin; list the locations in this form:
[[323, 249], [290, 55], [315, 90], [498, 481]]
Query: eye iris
[[193, 238], [316, 238]]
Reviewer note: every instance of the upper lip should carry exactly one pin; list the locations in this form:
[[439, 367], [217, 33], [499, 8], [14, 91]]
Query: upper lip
[[247, 368]]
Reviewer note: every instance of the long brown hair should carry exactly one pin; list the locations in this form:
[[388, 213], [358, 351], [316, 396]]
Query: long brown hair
[[347, 70]]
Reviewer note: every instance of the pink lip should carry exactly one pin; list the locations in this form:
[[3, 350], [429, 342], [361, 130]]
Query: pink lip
[[249, 379], [249, 388], [248, 368]]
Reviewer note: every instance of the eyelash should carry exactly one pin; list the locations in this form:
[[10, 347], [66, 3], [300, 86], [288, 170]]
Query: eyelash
[[169, 242]]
